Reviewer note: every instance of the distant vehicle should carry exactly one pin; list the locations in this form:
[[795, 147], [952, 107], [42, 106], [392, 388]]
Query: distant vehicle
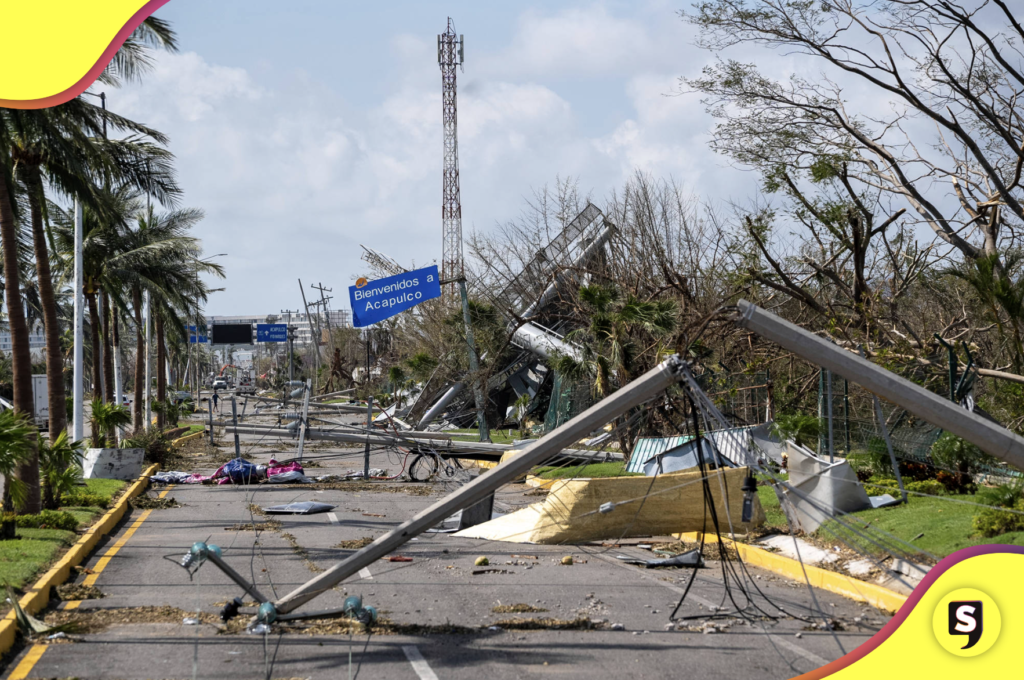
[[126, 400], [246, 384], [220, 384], [41, 401]]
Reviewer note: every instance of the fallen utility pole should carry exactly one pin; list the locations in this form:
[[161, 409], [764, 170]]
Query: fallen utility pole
[[488, 450], [648, 386], [989, 437]]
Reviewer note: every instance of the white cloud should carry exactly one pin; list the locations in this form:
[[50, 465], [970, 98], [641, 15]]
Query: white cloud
[[586, 42]]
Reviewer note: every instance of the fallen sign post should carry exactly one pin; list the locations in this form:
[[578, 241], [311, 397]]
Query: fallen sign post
[[648, 386], [989, 437]]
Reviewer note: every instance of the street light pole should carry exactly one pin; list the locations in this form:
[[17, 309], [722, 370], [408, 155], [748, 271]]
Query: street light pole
[[78, 410], [149, 312]]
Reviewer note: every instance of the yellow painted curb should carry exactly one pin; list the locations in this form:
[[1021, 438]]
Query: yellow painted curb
[[181, 440], [38, 596], [833, 582], [538, 483]]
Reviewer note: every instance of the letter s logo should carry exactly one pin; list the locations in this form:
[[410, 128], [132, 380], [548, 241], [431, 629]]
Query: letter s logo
[[965, 618]]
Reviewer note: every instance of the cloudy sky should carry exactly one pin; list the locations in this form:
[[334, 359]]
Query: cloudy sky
[[305, 129]]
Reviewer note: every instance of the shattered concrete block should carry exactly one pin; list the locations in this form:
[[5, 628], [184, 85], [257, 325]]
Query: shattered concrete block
[[125, 464]]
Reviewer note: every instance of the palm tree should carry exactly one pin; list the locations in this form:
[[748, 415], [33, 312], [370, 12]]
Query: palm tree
[[106, 418], [170, 276], [34, 138], [28, 470], [60, 461], [17, 445], [608, 344]]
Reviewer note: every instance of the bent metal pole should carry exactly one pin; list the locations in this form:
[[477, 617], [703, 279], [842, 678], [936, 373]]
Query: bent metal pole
[[637, 392], [991, 438]]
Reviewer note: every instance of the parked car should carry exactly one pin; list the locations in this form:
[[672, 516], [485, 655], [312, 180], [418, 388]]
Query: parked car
[[220, 384]]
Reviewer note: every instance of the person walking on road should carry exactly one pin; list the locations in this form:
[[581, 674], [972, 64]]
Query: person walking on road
[[215, 406]]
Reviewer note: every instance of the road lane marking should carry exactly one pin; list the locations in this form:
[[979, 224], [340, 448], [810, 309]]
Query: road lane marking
[[22, 670], [419, 664], [334, 518], [90, 580], [364, 573]]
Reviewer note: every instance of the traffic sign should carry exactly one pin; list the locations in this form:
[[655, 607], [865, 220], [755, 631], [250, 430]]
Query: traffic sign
[[374, 301], [271, 332]]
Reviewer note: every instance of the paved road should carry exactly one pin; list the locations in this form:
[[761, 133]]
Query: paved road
[[438, 587]]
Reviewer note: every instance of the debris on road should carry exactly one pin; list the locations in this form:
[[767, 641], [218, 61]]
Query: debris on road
[[686, 559], [269, 525], [517, 609], [70, 592], [300, 508], [149, 503], [481, 561], [567, 560], [355, 544], [399, 558]]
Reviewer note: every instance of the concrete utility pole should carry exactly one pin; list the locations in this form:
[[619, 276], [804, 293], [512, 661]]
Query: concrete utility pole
[[991, 438], [642, 389], [327, 316], [77, 388], [149, 373]]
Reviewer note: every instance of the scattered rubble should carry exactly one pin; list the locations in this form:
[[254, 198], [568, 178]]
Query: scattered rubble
[[355, 544], [145, 502], [70, 592], [517, 609]]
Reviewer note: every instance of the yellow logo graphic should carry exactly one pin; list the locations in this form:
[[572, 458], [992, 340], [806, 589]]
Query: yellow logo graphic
[[61, 46], [966, 622], [360, 282]]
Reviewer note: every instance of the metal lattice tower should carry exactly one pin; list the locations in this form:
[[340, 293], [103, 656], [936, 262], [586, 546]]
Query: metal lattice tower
[[449, 55], [381, 263]]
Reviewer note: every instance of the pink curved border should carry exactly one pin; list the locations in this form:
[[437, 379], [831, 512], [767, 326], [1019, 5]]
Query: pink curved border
[[895, 622], [90, 77]]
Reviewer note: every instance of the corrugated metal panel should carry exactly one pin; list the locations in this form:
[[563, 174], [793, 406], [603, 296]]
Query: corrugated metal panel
[[649, 447]]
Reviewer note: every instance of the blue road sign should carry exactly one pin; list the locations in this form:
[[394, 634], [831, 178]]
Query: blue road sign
[[374, 301], [192, 335], [271, 332]]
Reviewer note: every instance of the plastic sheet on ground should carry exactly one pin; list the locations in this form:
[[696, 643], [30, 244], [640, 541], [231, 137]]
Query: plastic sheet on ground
[[674, 503], [300, 508]]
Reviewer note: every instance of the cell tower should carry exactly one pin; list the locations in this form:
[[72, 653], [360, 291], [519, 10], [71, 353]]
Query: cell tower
[[449, 55]]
